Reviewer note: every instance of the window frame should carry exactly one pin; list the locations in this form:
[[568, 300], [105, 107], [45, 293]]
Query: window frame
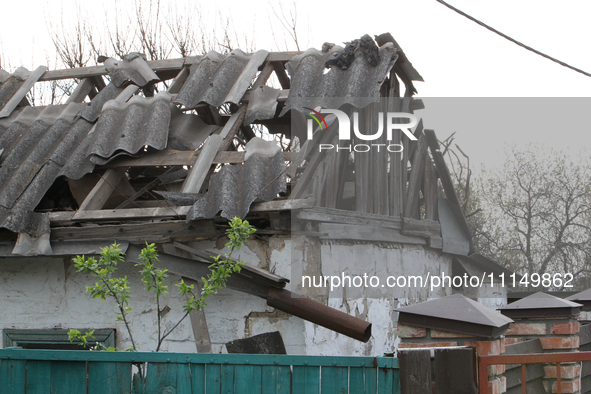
[[18, 337]]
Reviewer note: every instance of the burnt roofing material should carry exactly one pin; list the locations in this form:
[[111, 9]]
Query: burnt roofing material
[[217, 79], [358, 85], [455, 313], [541, 305]]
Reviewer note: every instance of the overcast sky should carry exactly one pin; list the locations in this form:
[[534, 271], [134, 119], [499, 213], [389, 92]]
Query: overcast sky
[[456, 57]]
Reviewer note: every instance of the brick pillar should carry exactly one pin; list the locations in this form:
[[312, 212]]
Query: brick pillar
[[417, 337], [456, 321], [555, 323]]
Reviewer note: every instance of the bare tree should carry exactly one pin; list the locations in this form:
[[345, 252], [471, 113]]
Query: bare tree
[[538, 211], [288, 20]]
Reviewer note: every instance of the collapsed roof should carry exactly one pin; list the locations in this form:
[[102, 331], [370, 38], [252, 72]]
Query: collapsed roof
[[166, 151]]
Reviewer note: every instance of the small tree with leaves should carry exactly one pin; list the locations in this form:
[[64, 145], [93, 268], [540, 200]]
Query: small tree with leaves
[[117, 288]]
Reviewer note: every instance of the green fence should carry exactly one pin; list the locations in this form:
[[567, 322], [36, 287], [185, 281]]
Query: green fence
[[62, 371]]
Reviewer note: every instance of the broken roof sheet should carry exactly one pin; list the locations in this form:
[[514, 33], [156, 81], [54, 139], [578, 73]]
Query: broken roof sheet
[[11, 83], [109, 126], [130, 126], [358, 85], [36, 143], [217, 79], [122, 129], [41, 143], [133, 68], [235, 187]]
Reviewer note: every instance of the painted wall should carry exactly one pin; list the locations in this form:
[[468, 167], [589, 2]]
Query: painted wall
[[48, 293]]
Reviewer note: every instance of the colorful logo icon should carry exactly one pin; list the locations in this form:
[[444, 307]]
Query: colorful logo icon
[[316, 115]]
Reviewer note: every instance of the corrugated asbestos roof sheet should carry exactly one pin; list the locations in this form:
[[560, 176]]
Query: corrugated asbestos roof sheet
[[10, 83], [235, 187], [92, 112], [37, 143], [217, 79], [262, 104], [311, 80], [41, 143], [133, 68], [126, 128]]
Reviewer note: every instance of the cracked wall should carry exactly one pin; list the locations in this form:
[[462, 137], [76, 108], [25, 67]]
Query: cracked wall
[[48, 293]]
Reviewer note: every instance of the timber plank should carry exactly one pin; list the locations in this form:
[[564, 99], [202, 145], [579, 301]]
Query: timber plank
[[183, 378], [170, 211], [38, 377], [282, 56], [306, 380], [79, 73], [68, 377], [144, 232], [179, 81], [103, 189], [397, 175], [417, 170], [281, 75], [12, 376], [357, 380], [248, 378], [430, 191], [156, 65], [585, 334], [161, 378], [442, 169], [452, 371], [108, 377], [197, 378], [276, 380], [227, 378], [21, 93], [363, 380], [311, 166], [366, 233], [213, 379], [81, 91], [387, 381], [420, 228], [320, 214], [334, 380], [182, 158], [415, 371], [198, 321]]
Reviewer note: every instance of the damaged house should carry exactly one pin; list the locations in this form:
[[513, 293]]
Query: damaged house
[[168, 151]]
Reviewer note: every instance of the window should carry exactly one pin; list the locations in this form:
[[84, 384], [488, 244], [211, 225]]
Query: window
[[53, 339]]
